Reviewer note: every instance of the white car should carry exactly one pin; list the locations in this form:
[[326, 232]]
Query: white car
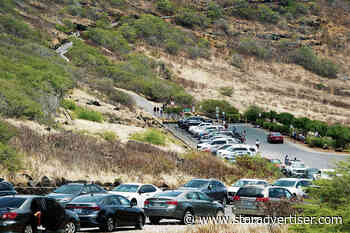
[[136, 193], [238, 149], [207, 129], [325, 174], [214, 144], [296, 169], [232, 190], [294, 185], [193, 129]]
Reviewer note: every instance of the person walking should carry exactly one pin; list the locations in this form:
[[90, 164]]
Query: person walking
[[257, 143], [286, 160]]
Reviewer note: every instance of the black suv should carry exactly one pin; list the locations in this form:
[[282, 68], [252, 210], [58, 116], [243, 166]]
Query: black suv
[[6, 189], [67, 192], [213, 188]]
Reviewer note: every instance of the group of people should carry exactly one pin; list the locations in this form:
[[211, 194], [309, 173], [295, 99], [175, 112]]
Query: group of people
[[157, 110]]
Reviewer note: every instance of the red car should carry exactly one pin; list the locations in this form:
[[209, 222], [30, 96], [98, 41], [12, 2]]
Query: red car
[[275, 138]]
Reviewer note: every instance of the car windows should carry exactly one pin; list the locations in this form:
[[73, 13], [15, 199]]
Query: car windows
[[124, 201], [148, 189], [87, 199], [169, 194], [192, 196], [115, 200], [11, 202], [69, 189], [250, 192], [203, 197], [5, 187], [219, 185], [277, 193], [288, 194], [85, 189], [261, 182]]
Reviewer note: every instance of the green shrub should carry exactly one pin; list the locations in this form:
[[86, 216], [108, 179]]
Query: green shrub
[[6, 132], [256, 166], [208, 107], [189, 18], [253, 113], [285, 118], [172, 47], [17, 28], [305, 57], [109, 39], [117, 3], [174, 110], [340, 134], [266, 14], [69, 104], [152, 136], [254, 48], [237, 61], [214, 11], [226, 91], [321, 142], [6, 6], [9, 158], [166, 7], [87, 114], [109, 136]]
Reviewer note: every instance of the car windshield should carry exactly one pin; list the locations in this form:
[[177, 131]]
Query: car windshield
[[5, 187], [298, 165], [11, 202], [168, 194], [87, 199], [196, 184], [276, 134], [276, 161], [284, 183], [130, 188], [250, 192], [69, 189], [242, 183]]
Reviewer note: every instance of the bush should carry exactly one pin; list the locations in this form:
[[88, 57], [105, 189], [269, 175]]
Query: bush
[[306, 58], [87, 114], [166, 7], [6, 132], [214, 11], [321, 142], [6, 6], [109, 136], [208, 107], [189, 18], [285, 118], [254, 48], [9, 159], [266, 14], [340, 134], [237, 61], [17, 28], [152, 136], [172, 47], [117, 3], [226, 91], [256, 166], [253, 113], [69, 104]]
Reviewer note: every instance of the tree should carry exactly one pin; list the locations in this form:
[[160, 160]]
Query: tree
[[340, 134], [209, 107], [252, 113], [285, 118]]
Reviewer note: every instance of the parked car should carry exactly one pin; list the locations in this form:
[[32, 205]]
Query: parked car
[[311, 173], [18, 215], [193, 129], [208, 129], [214, 144], [182, 205], [296, 169], [251, 199], [136, 193], [294, 185], [216, 136], [275, 138], [67, 192], [324, 173], [106, 211], [232, 190], [192, 121], [223, 147], [6, 188], [211, 187], [238, 150]]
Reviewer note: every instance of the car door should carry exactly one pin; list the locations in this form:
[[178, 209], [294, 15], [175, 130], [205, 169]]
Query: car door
[[206, 205], [210, 191], [129, 213], [193, 201]]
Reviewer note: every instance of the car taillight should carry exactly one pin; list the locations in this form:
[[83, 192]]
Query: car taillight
[[236, 198], [262, 199], [146, 202], [171, 202], [9, 215]]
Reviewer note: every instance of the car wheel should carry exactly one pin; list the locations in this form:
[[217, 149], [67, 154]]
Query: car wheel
[[109, 225], [188, 218], [70, 228], [140, 222], [133, 202], [154, 220], [28, 229], [220, 213]]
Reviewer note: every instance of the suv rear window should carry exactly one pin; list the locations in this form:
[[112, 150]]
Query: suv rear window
[[249, 192], [11, 202], [168, 194]]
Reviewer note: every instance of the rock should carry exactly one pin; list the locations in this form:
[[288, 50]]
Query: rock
[[94, 102]]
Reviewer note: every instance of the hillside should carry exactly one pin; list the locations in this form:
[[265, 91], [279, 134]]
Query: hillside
[[61, 59]]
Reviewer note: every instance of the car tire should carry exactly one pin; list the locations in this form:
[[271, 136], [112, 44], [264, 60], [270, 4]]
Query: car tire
[[70, 227], [154, 220], [108, 226], [140, 222], [188, 218], [28, 229]]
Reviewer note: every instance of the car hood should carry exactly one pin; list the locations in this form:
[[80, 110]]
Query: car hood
[[232, 189], [60, 195]]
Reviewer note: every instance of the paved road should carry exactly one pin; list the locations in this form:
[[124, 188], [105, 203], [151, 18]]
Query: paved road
[[310, 157]]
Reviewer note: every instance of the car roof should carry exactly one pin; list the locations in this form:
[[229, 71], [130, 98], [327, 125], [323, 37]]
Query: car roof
[[23, 196], [292, 179], [132, 183], [250, 179]]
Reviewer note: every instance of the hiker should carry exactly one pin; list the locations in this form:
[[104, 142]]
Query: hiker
[[154, 109], [286, 160]]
